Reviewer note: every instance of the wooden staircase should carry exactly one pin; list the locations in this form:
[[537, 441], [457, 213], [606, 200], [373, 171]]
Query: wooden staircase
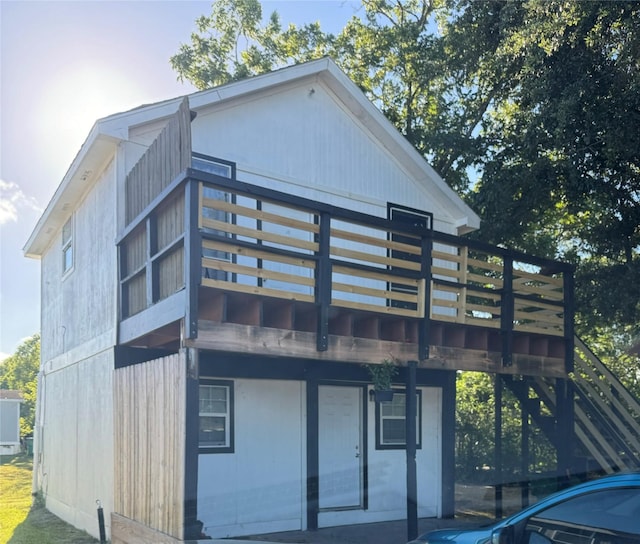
[[606, 414]]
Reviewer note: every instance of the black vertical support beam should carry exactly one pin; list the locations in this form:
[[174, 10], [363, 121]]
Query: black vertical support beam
[[497, 394], [568, 286], [323, 281], [411, 447], [192, 256], [564, 428], [449, 445], [524, 456], [191, 446], [425, 273], [313, 466], [507, 312]]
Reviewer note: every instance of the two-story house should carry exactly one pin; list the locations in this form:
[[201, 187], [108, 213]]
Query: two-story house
[[216, 272]]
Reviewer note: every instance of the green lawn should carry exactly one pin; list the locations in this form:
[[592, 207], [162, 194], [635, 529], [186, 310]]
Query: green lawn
[[24, 520]]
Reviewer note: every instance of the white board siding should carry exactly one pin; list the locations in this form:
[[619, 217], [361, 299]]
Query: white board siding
[[76, 444], [81, 305], [309, 139], [258, 487]]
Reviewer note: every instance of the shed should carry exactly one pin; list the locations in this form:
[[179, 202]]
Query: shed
[[10, 421]]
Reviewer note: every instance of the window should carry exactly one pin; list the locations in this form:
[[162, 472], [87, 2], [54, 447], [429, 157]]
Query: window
[[216, 416], [223, 169], [67, 246], [413, 218], [391, 422]]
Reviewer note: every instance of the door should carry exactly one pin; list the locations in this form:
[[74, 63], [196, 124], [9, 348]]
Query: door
[[340, 447]]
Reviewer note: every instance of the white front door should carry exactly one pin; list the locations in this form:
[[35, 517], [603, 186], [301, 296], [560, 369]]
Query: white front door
[[340, 446]]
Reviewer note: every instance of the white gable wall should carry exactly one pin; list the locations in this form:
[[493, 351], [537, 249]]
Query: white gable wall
[[80, 306], [303, 141], [74, 432]]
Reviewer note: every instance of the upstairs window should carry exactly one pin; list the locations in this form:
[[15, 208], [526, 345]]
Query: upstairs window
[[216, 416], [67, 246]]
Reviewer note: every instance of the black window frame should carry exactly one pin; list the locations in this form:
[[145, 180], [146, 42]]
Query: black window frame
[[378, 424], [230, 447]]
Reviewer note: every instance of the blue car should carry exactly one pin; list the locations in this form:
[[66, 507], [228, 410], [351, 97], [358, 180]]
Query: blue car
[[603, 511]]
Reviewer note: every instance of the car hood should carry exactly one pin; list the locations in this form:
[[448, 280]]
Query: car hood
[[466, 535]]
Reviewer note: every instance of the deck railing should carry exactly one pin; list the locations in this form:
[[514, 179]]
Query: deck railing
[[254, 240], [261, 244]]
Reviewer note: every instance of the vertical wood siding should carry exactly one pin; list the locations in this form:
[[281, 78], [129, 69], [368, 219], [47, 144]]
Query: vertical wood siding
[[167, 156], [149, 428]]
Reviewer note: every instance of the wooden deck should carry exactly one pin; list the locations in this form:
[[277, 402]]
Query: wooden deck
[[256, 269]]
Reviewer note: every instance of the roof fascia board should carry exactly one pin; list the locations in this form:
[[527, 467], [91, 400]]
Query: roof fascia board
[[93, 155]]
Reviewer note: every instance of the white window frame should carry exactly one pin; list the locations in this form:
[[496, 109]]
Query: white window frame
[[385, 444], [227, 414], [68, 246]]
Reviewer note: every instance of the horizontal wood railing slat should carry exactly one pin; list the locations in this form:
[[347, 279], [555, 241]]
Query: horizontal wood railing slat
[[377, 242], [262, 235], [268, 217], [379, 293], [258, 253], [263, 273], [378, 259], [256, 290]]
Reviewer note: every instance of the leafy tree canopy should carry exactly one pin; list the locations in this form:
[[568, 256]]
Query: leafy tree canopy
[[20, 372], [530, 109]]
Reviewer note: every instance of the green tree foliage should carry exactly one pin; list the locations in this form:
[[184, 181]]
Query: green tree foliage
[[20, 372]]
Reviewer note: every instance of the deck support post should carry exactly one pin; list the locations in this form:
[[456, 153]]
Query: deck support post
[[323, 281], [410, 421], [192, 258], [564, 428], [524, 455], [425, 273], [312, 454], [507, 311], [192, 426], [497, 394]]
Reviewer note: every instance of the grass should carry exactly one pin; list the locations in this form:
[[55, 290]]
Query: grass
[[23, 518]]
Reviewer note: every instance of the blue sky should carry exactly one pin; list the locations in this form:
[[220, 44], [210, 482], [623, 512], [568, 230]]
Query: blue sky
[[62, 66]]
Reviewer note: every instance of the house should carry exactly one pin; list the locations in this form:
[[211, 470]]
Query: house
[[217, 269], [10, 401]]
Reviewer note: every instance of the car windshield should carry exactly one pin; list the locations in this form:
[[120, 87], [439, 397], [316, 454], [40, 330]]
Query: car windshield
[[613, 509]]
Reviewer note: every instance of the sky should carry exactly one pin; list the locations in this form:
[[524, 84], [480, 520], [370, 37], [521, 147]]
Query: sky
[[63, 65]]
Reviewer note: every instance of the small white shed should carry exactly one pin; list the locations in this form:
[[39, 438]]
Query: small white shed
[[10, 421]]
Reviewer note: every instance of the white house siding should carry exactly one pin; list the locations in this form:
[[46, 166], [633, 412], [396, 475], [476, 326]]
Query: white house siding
[[257, 489], [80, 306], [74, 432], [76, 446], [261, 488], [302, 141], [387, 489]]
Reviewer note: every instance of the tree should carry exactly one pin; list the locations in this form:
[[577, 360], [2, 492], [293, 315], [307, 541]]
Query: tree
[[20, 372]]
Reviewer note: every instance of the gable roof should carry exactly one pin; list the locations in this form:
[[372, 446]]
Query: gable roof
[[107, 133]]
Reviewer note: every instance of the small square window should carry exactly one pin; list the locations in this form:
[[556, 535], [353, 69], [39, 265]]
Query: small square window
[[216, 416], [391, 422], [67, 246]]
